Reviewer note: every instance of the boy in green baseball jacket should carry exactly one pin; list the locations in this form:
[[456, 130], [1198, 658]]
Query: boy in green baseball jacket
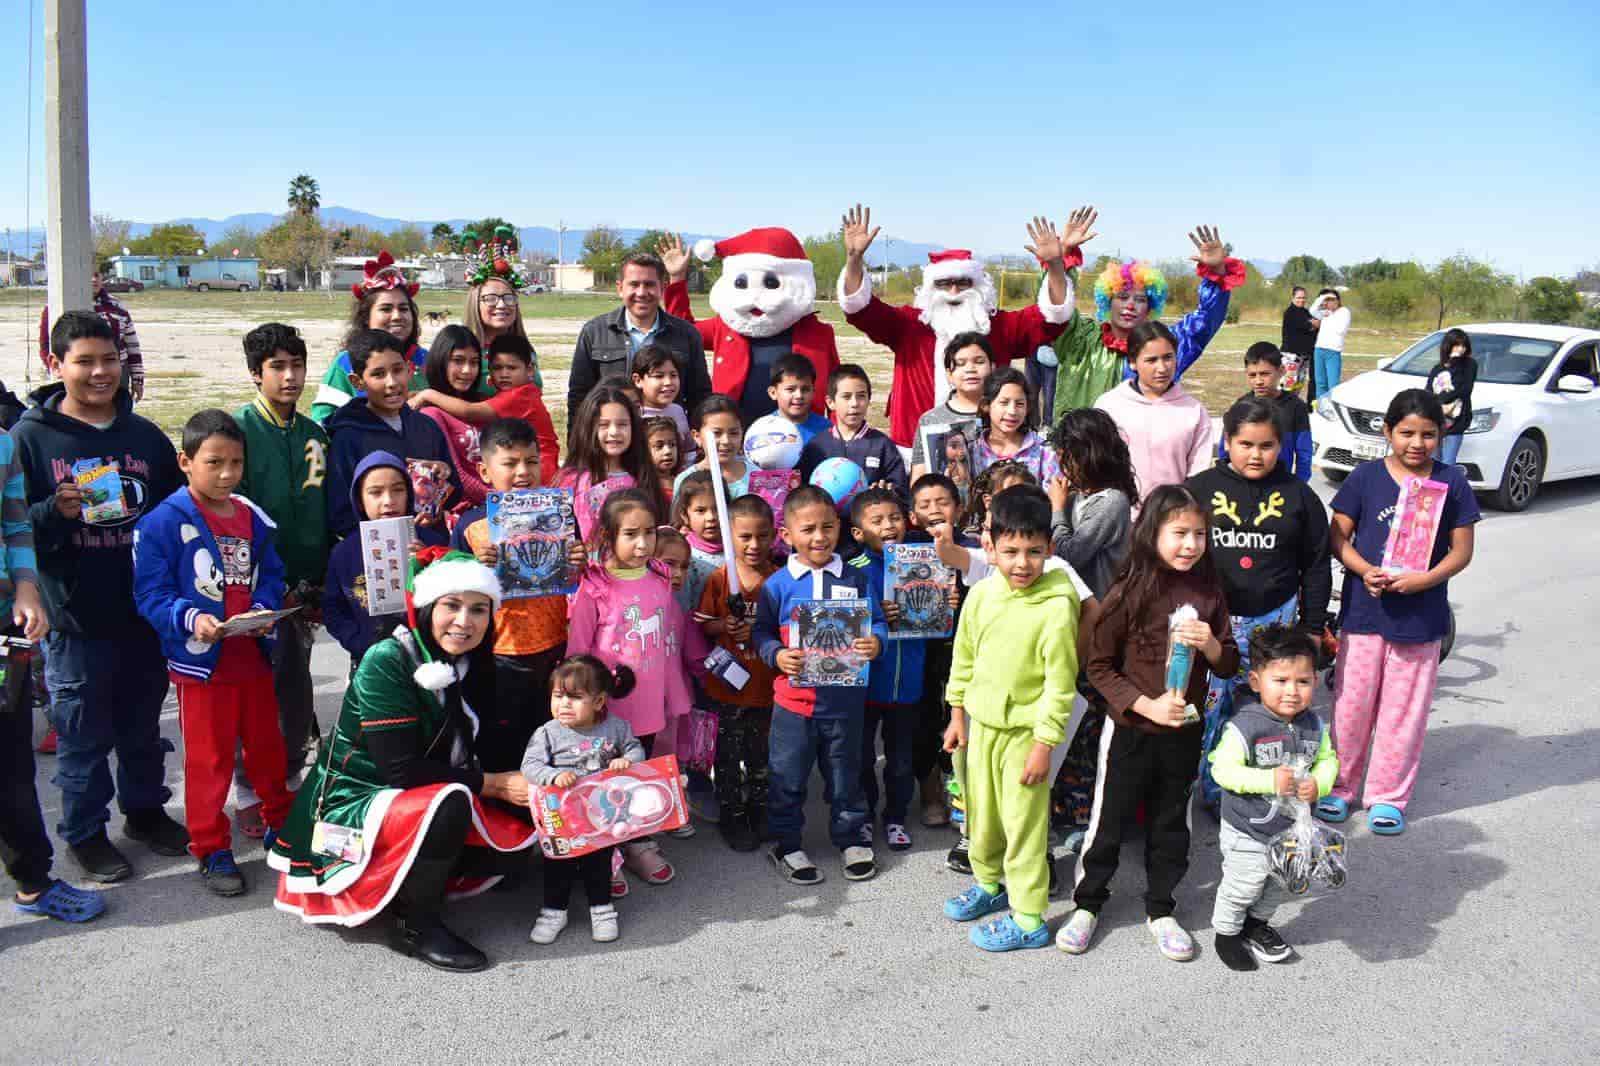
[[286, 466], [1012, 680]]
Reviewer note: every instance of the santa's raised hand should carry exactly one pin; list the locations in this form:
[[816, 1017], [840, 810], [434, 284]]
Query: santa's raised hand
[[1079, 229], [1207, 241], [1047, 245], [674, 256], [859, 232]]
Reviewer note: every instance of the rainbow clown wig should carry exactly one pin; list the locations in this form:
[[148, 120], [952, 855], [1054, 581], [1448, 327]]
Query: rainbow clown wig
[[1117, 279]]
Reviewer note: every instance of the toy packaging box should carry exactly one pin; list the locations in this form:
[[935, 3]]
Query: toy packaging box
[[608, 808], [825, 631], [385, 552], [101, 485], [920, 585], [1415, 528], [430, 484], [533, 528]]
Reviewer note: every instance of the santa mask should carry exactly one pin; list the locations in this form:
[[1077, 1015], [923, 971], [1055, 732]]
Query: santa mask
[[761, 295]]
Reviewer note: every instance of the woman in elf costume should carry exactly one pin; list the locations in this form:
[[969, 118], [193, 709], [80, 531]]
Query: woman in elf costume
[[394, 814], [1092, 354], [384, 300], [492, 287]]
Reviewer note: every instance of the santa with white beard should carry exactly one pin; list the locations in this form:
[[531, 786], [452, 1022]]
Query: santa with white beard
[[765, 302], [956, 296]]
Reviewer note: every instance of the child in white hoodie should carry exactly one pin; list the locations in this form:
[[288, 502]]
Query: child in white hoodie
[[1168, 431]]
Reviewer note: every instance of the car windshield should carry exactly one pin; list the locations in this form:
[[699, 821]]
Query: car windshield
[[1502, 359]]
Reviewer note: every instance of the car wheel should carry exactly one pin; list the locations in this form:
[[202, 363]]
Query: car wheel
[[244, 288], [1334, 477], [203, 288], [1520, 482]]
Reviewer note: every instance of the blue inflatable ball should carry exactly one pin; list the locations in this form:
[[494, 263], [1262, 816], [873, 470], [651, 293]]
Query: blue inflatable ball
[[839, 478]]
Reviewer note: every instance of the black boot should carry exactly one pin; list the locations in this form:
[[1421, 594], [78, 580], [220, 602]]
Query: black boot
[[431, 941], [156, 830], [100, 859], [736, 829], [1234, 953]]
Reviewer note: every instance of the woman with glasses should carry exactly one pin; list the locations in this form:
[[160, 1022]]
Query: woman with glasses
[[1092, 354], [383, 300], [492, 283]]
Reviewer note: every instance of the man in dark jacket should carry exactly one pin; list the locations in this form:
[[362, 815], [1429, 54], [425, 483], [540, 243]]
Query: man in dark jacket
[[608, 342], [92, 469]]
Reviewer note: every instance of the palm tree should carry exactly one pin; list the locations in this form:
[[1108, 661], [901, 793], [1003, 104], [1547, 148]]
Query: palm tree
[[304, 195]]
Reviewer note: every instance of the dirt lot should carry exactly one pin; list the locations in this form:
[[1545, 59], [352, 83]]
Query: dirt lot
[[194, 360]]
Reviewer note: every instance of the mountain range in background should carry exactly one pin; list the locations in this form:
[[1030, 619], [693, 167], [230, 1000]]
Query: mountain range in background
[[543, 239]]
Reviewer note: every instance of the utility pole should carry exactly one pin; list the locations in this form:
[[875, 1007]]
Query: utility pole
[[561, 240], [69, 248]]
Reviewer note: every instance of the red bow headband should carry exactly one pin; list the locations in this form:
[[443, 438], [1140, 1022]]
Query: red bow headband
[[381, 273]]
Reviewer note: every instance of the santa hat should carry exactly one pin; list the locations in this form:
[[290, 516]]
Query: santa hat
[[952, 263], [768, 248], [437, 573], [381, 273]]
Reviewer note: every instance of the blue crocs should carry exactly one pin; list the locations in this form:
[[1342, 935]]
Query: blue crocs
[[1386, 820], [1004, 934], [1332, 809], [974, 903], [66, 903]]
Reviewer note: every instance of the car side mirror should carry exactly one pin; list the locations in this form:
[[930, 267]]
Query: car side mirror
[[1574, 383], [1383, 364]]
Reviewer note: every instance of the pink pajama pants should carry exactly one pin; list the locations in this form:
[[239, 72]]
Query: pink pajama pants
[[1382, 693]]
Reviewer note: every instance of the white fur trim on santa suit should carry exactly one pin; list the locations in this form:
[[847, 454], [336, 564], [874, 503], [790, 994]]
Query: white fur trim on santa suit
[[455, 575], [1055, 314], [970, 269], [851, 302]]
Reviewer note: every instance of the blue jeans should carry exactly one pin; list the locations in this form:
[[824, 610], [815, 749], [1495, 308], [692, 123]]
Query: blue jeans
[[1326, 365], [899, 726], [106, 695], [797, 743], [1449, 448]]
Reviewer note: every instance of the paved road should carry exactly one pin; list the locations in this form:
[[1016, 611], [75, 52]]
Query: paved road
[[1472, 938]]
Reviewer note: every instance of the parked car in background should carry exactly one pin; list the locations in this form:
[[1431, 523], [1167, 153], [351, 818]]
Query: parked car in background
[[1535, 409], [536, 286], [122, 285], [222, 281]]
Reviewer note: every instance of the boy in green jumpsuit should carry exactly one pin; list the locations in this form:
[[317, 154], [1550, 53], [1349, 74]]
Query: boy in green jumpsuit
[[1013, 675]]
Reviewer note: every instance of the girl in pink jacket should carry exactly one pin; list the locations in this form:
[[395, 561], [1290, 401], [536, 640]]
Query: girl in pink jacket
[[624, 614], [1168, 431]]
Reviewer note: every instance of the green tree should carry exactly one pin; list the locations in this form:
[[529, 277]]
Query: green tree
[[1390, 300], [110, 237], [1373, 270], [444, 237], [407, 241], [298, 243], [168, 241], [603, 250], [827, 261], [1308, 270], [649, 242], [1551, 300], [1462, 285], [237, 236], [305, 196]]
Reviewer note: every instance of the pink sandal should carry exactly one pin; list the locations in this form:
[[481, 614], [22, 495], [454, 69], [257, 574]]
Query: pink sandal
[[644, 858], [249, 821]]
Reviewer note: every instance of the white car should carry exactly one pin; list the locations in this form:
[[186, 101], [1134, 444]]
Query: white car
[[1535, 409]]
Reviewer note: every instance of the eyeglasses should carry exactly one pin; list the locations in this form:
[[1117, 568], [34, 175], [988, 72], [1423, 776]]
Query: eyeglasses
[[953, 284], [501, 299]]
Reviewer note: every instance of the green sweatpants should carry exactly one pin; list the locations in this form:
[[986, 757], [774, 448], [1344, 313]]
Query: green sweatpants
[[1008, 822]]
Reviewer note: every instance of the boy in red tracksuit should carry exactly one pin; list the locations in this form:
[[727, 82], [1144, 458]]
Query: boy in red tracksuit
[[200, 557]]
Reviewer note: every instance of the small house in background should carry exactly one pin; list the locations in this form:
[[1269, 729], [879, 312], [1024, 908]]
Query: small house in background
[[571, 277], [189, 271], [18, 271]]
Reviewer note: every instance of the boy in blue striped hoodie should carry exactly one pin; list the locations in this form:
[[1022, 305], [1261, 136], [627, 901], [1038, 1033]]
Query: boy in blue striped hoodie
[[200, 557], [814, 726], [894, 685]]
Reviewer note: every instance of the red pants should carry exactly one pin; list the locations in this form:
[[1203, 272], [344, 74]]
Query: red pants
[[215, 716]]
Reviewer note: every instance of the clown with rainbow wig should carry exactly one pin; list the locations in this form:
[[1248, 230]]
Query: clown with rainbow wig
[[1092, 354]]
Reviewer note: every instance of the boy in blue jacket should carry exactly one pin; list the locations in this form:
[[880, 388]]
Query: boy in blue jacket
[[381, 421], [1263, 370], [849, 396], [201, 557], [813, 726], [894, 685]]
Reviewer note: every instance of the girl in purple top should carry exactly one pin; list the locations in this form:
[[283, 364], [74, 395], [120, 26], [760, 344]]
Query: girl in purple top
[[1008, 428]]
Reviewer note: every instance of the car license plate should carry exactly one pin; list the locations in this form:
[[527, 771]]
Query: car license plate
[[1363, 450]]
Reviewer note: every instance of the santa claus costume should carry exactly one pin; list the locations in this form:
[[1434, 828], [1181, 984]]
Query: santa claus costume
[[918, 334], [765, 302]]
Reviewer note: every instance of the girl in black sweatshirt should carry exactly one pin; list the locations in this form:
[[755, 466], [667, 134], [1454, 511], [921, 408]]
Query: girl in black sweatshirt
[[1451, 384], [1269, 536]]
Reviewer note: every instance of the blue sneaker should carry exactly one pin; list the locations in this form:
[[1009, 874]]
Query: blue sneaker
[[1004, 934], [268, 840], [974, 903], [222, 874]]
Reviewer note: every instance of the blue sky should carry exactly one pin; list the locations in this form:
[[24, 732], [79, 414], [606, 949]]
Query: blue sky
[[1346, 130]]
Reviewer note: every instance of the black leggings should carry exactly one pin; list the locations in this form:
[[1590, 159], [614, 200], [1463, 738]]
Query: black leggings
[[595, 871]]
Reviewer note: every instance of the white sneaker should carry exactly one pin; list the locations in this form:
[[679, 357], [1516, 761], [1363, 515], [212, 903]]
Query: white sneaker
[[1173, 940], [1074, 937], [603, 923], [548, 925]]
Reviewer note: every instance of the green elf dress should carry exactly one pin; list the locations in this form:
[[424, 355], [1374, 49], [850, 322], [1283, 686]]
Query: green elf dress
[[352, 836]]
